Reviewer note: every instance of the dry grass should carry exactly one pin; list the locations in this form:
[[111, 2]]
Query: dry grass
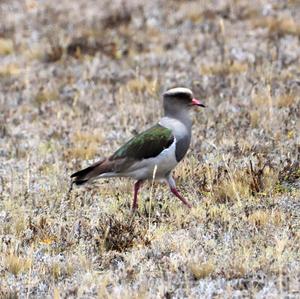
[[225, 69], [6, 46], [278, 25], [16, 264], [78, 79], [10, 70]]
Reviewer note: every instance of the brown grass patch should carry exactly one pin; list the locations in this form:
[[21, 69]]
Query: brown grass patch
[[202, 270], [6, 46], [277, 25], [45, 95], [118, 234], [140, 86], [16, 264], [85, 145], [225, 69], [10, 70], [259, 218]]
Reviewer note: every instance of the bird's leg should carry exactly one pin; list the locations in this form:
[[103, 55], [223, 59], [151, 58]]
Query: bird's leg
[[137, 186], [173, 189], [177, 194]]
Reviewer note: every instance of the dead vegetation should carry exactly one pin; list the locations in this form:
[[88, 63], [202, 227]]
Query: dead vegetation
[[80, 78]]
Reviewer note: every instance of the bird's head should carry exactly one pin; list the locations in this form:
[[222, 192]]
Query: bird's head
[[179, 99]]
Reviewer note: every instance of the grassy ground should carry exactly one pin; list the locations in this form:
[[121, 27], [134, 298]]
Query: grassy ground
[[78, 78]]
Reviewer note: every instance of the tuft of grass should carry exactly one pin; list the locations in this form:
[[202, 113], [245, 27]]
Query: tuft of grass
[[224, 69], [264, 99], [140, 86], [85, 145], [278, 25], [86, 137], [54, 53], [285, 100], [6, 46], [118, 234], [34, 52], [232, 188], [86, 152], [16, 264], [229, 183], [255, 117], [45, 95], [10, 70], [202, 270], [290, 173], [90, 43], [56, 270], [219, 213], [261, 218]]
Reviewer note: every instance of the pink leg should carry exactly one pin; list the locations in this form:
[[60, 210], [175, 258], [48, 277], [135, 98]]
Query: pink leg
[[173, 189], [177, 194], [137, 186]]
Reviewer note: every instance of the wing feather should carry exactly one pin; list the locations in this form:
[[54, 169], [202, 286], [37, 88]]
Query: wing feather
[[147, 144]]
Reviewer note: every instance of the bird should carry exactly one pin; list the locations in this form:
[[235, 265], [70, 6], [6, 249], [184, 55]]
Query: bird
[[153, 153]]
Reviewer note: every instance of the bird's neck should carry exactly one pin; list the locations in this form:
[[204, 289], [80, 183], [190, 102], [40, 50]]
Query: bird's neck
[[183, 116]]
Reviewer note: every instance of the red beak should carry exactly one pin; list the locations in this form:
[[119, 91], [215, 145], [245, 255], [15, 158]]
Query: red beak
[[196, 102]]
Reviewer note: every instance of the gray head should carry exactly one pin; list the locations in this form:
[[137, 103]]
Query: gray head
[[178, 102]]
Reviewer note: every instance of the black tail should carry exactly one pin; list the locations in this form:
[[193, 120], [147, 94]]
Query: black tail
[[82, 176], [79, 177]]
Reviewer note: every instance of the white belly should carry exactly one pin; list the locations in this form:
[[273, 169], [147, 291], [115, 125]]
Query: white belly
[[163, 163]]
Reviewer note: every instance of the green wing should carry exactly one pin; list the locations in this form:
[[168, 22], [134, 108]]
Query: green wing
[[147, 144]]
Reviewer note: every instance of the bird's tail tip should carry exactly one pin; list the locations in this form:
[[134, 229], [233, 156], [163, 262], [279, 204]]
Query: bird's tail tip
[[78, 178], [79, 182], [83, 176]]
